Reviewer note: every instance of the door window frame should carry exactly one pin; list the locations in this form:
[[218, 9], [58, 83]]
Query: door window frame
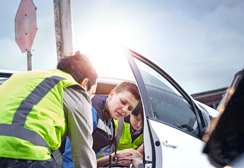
[[131, 55]]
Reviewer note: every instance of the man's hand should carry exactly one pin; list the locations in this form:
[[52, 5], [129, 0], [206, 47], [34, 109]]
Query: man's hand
[[129, 156], [122, 154], [140, 149], [130, 151]]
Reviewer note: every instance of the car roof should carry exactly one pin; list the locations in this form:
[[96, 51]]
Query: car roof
[[106, 84], [4, 76]]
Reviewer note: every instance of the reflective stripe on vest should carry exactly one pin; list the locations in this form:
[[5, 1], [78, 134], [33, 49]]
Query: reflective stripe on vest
[[16, 129], [103, 127], [23, 133]]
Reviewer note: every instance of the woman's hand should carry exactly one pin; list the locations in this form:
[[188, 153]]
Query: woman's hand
[[130, 151]]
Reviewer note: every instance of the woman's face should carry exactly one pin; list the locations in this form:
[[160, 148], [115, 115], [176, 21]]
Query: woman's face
[[136, 121], [120, 104]]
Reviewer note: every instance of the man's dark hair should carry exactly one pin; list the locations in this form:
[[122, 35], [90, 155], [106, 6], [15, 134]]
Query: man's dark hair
[[79, 67], [138, 110], [130, 87]]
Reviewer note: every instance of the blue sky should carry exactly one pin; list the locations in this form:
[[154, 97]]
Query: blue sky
[[199, 43]]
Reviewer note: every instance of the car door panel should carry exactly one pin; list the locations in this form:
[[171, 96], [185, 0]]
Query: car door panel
[[179, 148]]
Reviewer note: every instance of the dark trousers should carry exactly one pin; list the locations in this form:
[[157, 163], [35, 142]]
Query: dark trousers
[[19, 163]]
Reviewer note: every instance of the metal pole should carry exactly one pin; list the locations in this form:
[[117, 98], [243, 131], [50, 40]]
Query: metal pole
[[29, 60], [63, 27], [57, 29]]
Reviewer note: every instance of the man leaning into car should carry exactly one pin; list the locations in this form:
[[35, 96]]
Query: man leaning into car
[[38, 108]]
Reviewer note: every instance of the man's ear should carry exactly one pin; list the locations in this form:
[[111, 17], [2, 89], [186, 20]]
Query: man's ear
[[84, 83], [111, 94]]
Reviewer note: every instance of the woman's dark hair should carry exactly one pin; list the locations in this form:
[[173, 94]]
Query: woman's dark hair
[[138, 110], [79, 67]]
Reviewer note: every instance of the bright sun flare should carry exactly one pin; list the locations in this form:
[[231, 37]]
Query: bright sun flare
[[106, 54]]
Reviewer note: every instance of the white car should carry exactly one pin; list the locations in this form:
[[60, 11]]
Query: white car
[[174, 122]]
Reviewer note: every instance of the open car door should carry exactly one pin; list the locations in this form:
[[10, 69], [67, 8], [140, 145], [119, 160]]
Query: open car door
[[173, 123]]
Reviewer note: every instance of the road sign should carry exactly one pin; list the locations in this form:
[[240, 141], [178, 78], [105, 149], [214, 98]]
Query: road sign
[[25, 25]]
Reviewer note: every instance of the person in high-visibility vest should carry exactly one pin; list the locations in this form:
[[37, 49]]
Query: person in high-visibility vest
[[39, 108], [129, 133]]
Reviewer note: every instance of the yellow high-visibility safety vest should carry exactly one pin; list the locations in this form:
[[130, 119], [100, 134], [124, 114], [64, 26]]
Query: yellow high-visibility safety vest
[[32, 119], [125, 141]]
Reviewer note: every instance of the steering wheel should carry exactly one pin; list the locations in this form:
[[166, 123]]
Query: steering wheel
[[184, 126]]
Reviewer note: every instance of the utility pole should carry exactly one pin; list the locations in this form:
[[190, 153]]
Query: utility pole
[[63, 27]]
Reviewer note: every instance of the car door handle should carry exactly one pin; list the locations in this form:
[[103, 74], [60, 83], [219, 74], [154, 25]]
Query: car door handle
[[168, 145]]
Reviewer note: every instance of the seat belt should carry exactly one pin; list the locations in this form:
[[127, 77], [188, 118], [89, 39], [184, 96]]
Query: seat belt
[[119, 132], [111, 142], [117, 139]]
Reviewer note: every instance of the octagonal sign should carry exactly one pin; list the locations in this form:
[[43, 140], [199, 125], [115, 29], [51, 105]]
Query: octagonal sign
[[25, 25]]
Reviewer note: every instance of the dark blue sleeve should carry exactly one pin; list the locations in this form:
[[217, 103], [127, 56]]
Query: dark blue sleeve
[[67, 160], [94, 117]]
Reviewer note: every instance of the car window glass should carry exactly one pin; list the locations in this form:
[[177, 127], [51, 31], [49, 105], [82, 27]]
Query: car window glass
[[2, 80], [168, 104]]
